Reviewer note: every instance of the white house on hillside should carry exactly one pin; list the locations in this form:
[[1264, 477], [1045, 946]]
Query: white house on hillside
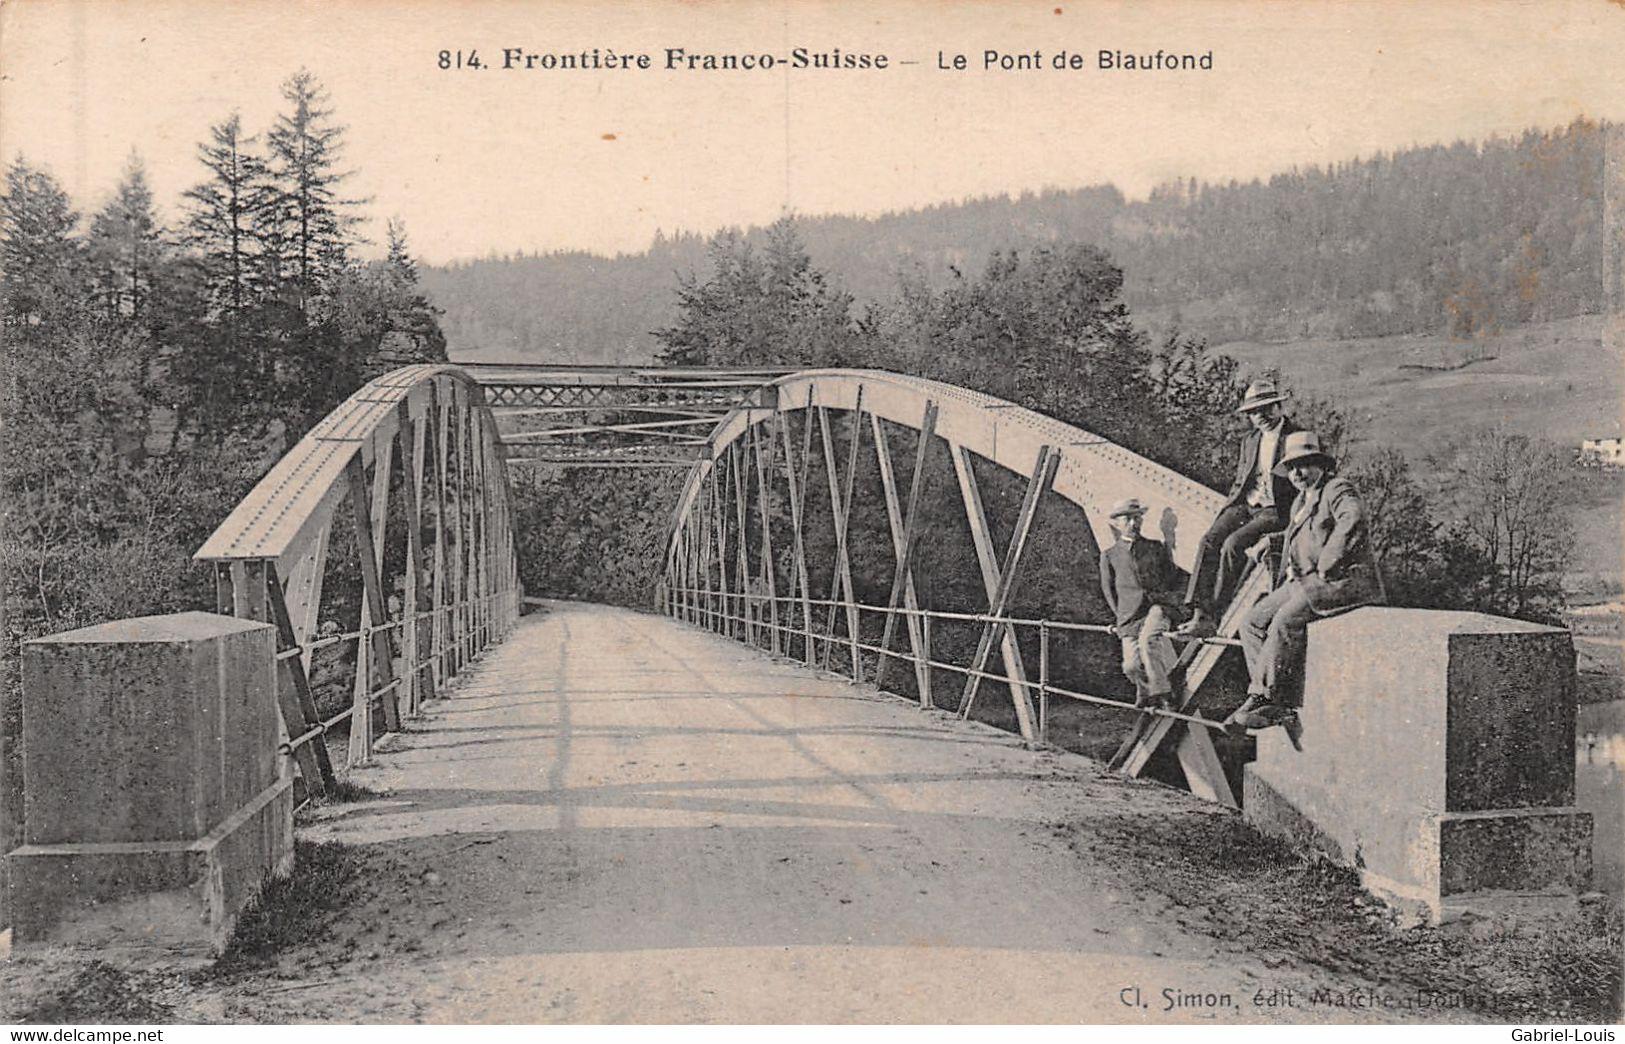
[[1610, 453]]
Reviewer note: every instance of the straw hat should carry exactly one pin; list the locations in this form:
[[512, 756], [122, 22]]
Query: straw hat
[[1303, 447], [1128, 506], [1260, 393]]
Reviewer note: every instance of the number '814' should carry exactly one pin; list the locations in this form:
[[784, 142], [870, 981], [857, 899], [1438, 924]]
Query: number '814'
[[460, 60]]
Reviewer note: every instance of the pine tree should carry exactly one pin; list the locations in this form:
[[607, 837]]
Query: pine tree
[[72, 415], [40, 259], [410, 313], [309, 226], [403, 268], [225, 344], [381, 318], [126, 245], [221, 216]]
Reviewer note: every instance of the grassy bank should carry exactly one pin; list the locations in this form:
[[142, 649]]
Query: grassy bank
[[1257, 895]]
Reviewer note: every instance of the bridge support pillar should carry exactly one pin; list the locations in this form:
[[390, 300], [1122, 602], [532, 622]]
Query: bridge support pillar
[[1438, 761], [155, 801]]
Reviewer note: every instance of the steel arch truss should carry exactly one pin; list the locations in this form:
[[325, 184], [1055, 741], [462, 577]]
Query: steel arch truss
[[411, 466], [719, 567]]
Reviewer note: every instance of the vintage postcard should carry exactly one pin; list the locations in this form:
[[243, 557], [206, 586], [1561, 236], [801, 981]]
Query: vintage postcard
[[809, 512]]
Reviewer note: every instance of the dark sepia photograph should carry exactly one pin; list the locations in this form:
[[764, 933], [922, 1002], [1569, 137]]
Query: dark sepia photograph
[[807, 512]]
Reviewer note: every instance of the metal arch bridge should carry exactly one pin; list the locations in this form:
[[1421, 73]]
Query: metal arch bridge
[[419, 459]]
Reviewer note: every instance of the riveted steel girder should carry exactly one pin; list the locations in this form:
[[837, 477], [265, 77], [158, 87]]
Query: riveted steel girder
[[1094, 472]]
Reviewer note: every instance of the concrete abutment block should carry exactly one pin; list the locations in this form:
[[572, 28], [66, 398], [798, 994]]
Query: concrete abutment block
[[1438, 761], [154, 800]]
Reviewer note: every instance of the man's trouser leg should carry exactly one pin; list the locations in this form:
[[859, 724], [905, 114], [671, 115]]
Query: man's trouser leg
[[1284, 647], [1233, 560], [1132, 669], [1255, 631], [1199, 592], [1156, 651]]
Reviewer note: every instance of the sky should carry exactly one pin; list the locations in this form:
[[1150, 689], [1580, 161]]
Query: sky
[[499, 160]]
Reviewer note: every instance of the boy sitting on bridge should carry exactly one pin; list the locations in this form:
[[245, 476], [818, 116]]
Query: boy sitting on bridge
[[1143, 589]]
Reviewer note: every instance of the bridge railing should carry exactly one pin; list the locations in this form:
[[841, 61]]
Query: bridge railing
[[369, 700], [760, 483], [425, 558], [768, 623]]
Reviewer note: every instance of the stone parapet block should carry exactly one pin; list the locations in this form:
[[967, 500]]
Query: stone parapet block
[[178, 899], [1438, 757], [154, 798], [151, 729]]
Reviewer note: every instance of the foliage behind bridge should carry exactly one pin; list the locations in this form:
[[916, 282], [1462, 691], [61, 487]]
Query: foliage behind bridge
[[1047, 329]]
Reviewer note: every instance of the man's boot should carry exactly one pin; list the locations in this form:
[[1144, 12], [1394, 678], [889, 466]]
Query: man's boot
[[1235, 723], [1265, 714], [1200, 625]]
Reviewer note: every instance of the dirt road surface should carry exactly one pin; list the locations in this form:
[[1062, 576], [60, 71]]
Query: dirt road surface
[[618, 818]]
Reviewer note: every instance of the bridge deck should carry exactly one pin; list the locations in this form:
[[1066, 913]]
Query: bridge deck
[[619, 818]]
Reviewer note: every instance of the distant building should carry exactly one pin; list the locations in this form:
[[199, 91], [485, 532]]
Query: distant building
[[1609, 453]]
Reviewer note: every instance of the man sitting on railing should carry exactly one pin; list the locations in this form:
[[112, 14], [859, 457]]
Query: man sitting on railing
[[1255, 506], [1143, 590], [1327, 567]]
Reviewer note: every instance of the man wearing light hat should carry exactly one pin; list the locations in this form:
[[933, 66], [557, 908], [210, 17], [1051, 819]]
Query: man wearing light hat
[[1141, 585], [1327, 567], [1256, 507]]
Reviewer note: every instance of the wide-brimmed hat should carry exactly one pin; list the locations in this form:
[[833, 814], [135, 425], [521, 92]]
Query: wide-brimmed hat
[[1260, 393], [1128, 506], [1303, 447]]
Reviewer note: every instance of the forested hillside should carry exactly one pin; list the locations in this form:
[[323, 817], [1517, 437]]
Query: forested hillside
[[1459, 239]]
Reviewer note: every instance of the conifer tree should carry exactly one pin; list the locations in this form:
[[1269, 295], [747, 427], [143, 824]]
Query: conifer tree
[[410, 312], [126, 245], [226, 350], [39, 257], [222, 213], [381, 318], [403, 268], [310, 224]]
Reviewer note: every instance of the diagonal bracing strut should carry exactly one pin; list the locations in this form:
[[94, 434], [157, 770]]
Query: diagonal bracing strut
[[1000, 582], [840, 495], [904, 529]]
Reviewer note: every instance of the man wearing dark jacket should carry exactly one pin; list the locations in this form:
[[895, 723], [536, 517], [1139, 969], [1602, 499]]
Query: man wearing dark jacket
[[1141, 585], [1256, 507]]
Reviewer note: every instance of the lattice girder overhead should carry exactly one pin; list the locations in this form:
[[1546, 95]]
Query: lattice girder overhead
[[418, 445], [613, 416]]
